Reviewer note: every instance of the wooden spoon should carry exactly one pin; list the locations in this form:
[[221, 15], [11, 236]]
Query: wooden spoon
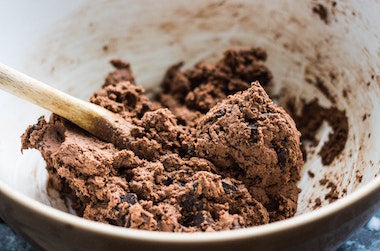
[[95, 119]]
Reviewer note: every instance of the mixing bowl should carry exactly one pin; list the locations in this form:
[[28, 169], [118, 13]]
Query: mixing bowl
[[68, 44]]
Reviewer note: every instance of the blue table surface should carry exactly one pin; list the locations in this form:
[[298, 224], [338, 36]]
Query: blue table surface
[[366, 238]]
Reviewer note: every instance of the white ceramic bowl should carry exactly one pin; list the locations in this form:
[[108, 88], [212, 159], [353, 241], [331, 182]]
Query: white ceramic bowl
[[62, 43]]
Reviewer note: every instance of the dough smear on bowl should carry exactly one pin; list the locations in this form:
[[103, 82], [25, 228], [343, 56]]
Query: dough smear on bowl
[[211, 153]]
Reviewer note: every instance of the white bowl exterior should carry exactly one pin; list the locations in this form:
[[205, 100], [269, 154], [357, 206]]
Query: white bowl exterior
[[63, 45]]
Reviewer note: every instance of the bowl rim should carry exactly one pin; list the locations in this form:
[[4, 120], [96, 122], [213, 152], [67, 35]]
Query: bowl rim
[[198, 237]]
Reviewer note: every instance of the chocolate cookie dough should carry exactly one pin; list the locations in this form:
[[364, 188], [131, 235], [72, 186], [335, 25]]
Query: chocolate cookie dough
[[250, 138], [192, 93], [212, 153]]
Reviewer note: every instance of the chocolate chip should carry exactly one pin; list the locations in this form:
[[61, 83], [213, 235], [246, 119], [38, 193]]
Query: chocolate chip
[[195, 185], [254, 137], [144, 216], [257, 180], [190, 150], [113, 222], [199, 218], [188, 202], [274, 204], [167, 182], [282, 156], [130, 99], [128, 223], [128, 175], [219, 113], [60, 137], [228, 187], [129, 198]]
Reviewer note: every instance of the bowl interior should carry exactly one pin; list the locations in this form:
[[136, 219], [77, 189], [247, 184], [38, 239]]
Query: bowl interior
[[72, 44]]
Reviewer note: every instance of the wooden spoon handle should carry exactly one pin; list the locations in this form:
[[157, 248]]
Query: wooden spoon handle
[[92, 118]]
